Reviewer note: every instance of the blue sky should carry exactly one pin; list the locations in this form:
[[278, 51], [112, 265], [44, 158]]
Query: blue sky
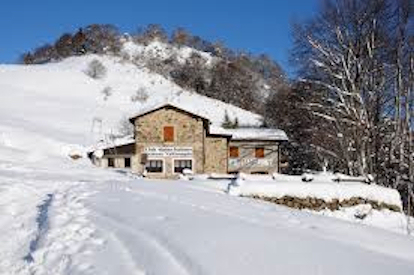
[[257, 26]]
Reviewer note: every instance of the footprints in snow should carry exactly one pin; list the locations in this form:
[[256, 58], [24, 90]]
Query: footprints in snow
[[71, 239]]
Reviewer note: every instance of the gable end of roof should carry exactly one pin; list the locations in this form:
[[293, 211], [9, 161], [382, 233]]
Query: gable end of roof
[[166, 105]]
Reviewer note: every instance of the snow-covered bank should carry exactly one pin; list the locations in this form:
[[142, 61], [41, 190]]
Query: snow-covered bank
[[348, 200], [322, 187], [323, 191]]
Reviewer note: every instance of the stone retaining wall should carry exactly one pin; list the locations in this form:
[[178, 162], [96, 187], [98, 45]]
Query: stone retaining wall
[[320, 204]]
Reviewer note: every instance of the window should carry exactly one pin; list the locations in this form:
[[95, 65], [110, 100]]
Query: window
[[259, 152], [127, 162], [111, 162], [181, 164], [154, 166], [234, 152], [168, 133]]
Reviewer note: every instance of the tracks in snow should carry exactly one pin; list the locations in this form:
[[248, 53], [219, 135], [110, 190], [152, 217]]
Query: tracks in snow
[[71, 238], [159, 258], [42, 221]]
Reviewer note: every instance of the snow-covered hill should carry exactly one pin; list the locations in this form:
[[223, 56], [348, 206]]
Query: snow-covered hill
[[60, 102], [59, 216]]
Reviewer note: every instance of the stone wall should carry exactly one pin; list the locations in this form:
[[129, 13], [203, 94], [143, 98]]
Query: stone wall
[[189, 131], [216, 156], [320, 204]]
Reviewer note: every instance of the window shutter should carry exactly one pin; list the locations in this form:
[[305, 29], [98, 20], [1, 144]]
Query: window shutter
[[234, 152], [259, 152], [168, 133]]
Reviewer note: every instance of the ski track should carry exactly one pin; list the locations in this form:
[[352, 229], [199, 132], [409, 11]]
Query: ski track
[[163, 260], [282, 219], [125, 255]]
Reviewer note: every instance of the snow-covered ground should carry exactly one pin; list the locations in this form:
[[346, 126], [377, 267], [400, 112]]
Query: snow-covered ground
[[106, 222], [59, 216]]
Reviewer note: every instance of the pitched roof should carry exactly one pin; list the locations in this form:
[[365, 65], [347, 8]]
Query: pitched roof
[[251, 133], [165, 105]]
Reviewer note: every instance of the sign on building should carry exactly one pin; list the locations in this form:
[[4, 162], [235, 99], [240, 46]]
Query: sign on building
[[169, 151], [250, 162]]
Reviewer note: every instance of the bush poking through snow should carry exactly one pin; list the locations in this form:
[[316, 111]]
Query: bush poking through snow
[[362, 211], [75, 154], [107, 92], [307, 177], [141, 95], [96, 69]]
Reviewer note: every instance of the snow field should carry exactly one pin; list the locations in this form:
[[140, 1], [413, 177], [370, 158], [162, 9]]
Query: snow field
[[65, 240], [71, 239], [207, 232]]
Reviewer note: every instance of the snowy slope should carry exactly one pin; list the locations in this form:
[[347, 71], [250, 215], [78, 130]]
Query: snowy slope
[[62, 102], [58, 216]]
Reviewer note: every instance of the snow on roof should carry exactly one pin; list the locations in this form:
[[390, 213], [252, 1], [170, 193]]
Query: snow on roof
[[116, 142], [251, 133], [155, 107], [205, 107]]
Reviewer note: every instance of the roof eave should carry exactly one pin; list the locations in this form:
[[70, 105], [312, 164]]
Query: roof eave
[[132, 119]]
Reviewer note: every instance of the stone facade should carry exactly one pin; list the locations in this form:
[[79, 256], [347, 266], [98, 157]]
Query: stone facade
[[168, 140], [216, 155], [189, 132]]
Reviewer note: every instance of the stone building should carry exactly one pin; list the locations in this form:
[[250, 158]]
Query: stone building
[[169, 139]]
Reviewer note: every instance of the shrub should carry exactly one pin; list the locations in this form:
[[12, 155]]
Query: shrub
[[107, 92], [96, 69], [140, 95]]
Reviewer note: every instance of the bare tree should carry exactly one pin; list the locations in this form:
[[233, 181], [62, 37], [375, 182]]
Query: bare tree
[[64, 46], [141, 95], [101, 39], [96, 69], [151, 33], [339, 53], [356, 56], [180, 37]]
